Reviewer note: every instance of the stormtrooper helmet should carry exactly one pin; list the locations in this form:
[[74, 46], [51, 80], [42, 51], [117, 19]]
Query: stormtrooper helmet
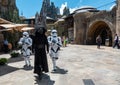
[[25, 34], [54, 33]]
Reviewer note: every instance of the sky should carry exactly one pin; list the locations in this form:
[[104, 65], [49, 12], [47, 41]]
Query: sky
[[28, 8]]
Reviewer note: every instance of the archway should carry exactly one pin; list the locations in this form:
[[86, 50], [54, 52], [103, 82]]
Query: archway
[[102, 29]]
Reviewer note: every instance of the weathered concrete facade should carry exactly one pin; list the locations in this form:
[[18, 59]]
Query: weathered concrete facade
[[69, 26], [118, 18], [89, 24]]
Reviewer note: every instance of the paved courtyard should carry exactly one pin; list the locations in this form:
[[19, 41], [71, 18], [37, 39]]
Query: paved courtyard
[[77, 65]]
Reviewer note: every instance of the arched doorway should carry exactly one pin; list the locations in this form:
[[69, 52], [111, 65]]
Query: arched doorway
[[102, 29]]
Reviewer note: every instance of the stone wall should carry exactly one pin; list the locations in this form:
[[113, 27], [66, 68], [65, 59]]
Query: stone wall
[[118, 18], [80, 26], [84, 21]]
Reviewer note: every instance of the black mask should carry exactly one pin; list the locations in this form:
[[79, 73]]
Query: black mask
[[40, 30]]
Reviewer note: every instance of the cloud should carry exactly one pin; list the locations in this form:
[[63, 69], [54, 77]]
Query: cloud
[[71, 9], [62, 7], [65, 5], [112, 6]]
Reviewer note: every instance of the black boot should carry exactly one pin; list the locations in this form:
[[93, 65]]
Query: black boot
[[40, 75]]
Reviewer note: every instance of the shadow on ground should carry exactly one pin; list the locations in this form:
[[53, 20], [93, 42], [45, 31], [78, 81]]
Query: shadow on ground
[[44, 81], [16, 59], [88, 82], [5, 69], [27, 68], [60, 71]]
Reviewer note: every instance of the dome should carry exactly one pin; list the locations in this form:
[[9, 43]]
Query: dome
[[85, 9]]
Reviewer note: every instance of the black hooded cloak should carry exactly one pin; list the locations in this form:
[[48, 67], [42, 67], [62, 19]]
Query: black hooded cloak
[[40, 45]]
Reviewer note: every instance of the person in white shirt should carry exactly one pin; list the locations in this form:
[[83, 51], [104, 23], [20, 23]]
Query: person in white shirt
[[116, 41]]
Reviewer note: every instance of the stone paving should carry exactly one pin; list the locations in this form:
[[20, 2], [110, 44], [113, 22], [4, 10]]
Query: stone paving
[[77, 65]]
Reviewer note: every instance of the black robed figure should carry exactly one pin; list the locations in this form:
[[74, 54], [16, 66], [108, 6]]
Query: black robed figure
[[41, 46], [40, 43]]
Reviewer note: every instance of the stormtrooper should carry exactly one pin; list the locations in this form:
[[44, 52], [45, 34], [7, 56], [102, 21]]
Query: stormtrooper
[[54, 46], [26, 42]]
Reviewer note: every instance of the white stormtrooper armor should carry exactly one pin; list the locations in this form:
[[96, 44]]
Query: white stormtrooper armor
[[54, 44], [26, 43]]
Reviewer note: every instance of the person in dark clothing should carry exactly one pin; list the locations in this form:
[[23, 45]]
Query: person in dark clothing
[[98, 41], [40, 43], [5, 43], [116, 41]]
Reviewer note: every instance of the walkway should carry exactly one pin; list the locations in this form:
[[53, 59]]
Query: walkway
[[77, 65]]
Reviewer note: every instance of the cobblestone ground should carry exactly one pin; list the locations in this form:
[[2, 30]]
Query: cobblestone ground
[[77, 65]]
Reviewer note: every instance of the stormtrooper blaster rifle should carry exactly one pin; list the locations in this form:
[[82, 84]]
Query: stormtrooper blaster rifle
[[58, 44], [54, 42]]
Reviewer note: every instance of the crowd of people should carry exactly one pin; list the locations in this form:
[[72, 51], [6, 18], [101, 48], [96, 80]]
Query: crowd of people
[[115, 43]]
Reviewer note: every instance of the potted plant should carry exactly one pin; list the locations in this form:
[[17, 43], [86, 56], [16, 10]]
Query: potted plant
[[14, 54], [3, 61]]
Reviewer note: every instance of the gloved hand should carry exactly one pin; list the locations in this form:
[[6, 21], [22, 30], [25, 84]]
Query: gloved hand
[[47, 51]]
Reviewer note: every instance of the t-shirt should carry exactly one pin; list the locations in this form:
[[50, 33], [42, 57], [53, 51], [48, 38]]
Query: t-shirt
[[6, 42]]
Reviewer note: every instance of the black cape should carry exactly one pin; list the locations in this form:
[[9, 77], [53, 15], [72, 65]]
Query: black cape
[[40, 43]]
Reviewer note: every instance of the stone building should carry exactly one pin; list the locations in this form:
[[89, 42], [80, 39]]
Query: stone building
[[69, 27], [31, 22], [118, 18], [90, 22], [86, 23], [10, 31]]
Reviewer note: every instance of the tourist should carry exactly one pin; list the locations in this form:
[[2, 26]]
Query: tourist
[[116, 41], [98, 41], [5, 43], [64, 41]]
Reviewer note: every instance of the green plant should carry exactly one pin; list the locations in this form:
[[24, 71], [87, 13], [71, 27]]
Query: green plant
[[3, 61], [14, 54]]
